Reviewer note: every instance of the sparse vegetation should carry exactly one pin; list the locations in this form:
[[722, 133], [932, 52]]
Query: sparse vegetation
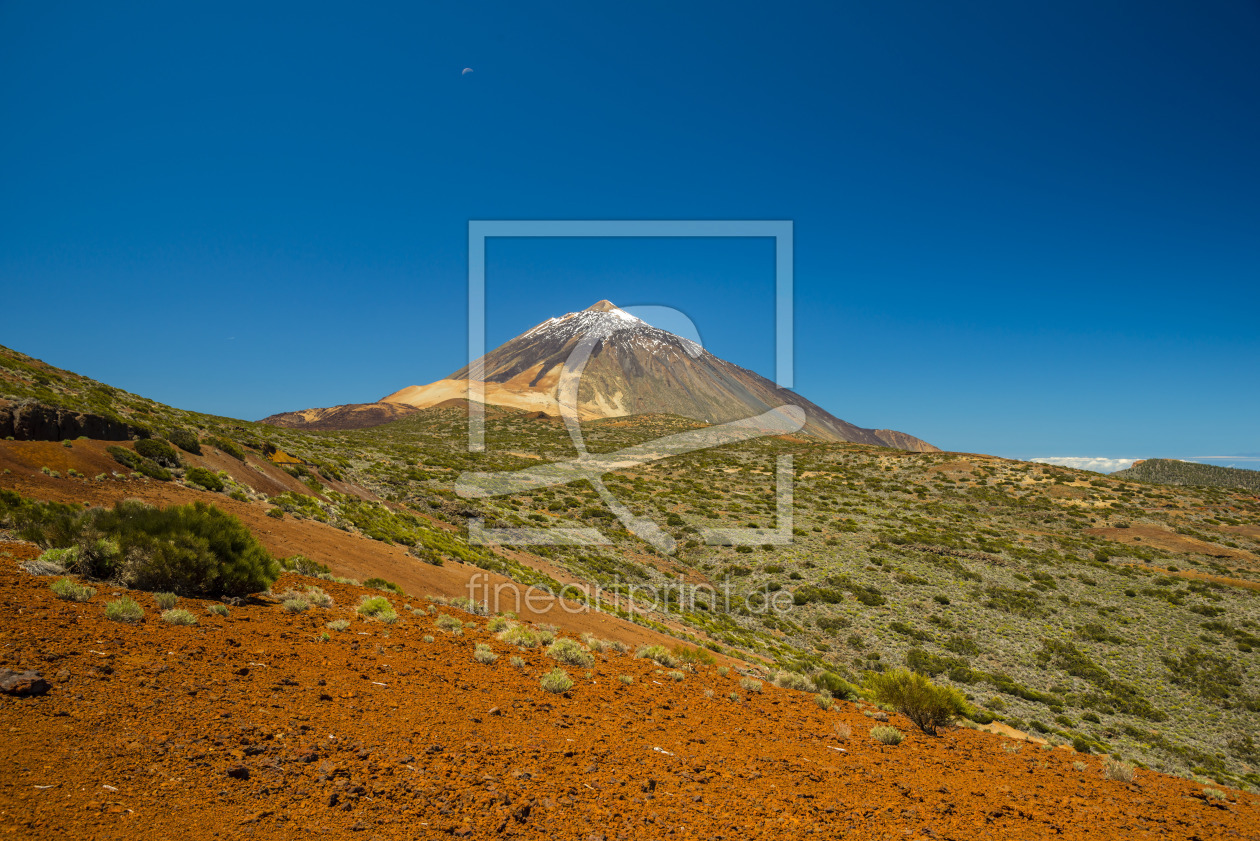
[[520, 636], [483, 653], [886, 735], [71, 590], [1036, 555], [124, 609], [378, 608], [570, 652], [204, 478], [557, 681], [178, 616], [1114, 769], [448, 623], [382, 584], [658, 653]]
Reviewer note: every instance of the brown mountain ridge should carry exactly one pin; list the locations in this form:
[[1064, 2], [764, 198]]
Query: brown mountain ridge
[[634, 368]]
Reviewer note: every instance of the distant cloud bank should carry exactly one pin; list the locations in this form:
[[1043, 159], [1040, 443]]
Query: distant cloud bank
[[1098, 465]]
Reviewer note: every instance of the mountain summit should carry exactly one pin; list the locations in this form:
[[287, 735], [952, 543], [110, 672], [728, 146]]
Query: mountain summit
[[634, 368]]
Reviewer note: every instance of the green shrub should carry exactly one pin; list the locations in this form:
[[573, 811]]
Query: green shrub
[[571, 652], [659, 653], [676, 676], [154, 471], [792, 680], [750, 685], [379, 608], [303, 565], [824, 701], [626, 679], [185, 439], [165, 601], [193, 550], [337, 624], [228, 447], [557, 681], [125, 457], [837, 686], [1114, 769], [452, 624], [276, 513], [158, 451], [205, 478], [927, 705], [178, 616], [688, 654], [484, 653], [296, 605], [887, 735], [497, 624], [124, 609], [382, 584], [71, 590], [217, 609], [317, 597], [927, 663], [520, 636]]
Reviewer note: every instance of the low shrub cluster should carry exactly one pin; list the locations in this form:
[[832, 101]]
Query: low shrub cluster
[[927, 705], [158, 451], [140, 464], [191, 550], [71, 590], [557, 681], [886, 735], [379, 608], [571, 652], [226, 446], [659, 653], [185, 439], [205, 478]]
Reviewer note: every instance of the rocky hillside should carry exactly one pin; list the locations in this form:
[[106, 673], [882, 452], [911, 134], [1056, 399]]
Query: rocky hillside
[[1166, 471], [370, 714], [349, 416]]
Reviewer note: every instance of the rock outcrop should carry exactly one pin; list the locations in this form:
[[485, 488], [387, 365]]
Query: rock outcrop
[[30, 421]]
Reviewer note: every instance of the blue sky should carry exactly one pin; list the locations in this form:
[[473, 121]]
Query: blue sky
[[1022, 231]]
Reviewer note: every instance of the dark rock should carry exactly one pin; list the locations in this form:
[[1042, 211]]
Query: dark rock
[[22, 684], [31, 421], [238, 772]]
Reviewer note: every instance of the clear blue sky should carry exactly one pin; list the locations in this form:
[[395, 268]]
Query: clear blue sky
[[1024, 230]]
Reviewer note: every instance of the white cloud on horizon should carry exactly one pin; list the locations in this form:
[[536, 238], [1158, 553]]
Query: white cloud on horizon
[[1097, 464]]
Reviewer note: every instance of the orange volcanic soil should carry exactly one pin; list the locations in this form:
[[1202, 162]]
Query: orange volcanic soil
[[253, 725], [250, 725]]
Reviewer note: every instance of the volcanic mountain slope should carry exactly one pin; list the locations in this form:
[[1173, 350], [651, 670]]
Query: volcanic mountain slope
[[635, 369], [1167, 471], [348, 416], [258, 722]]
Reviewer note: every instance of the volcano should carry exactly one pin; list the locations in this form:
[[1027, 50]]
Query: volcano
[[634, 369]]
